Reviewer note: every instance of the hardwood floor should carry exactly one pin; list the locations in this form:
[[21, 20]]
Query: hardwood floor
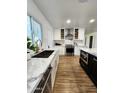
[[71, 78]]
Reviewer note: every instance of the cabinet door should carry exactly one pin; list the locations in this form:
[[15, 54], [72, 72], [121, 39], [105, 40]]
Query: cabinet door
[[92, 67], [57, 34], [94, 72], [77, 51], [54, 65], [62, 50], [62, 33], [81, 34], [53, 74], [76, 33]]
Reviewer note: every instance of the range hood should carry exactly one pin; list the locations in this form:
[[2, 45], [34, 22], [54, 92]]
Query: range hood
[[69, 34]]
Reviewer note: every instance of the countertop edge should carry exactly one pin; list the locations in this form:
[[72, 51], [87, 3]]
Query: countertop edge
[[90, 51]]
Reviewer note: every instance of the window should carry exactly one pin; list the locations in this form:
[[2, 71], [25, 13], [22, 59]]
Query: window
[[34, 32], [29, 31]]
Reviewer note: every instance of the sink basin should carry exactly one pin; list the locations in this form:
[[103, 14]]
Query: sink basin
[[44, 54]]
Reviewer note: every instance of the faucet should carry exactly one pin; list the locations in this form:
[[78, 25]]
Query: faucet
[[39, 44]]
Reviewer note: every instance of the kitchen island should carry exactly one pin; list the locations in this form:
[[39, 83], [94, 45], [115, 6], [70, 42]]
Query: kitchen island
[[92, 51], [88, 61]]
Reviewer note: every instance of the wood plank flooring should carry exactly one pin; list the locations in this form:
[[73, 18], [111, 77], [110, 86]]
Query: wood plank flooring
[[71, 78]]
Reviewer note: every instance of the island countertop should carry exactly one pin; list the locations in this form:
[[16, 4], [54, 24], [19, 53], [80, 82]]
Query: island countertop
[[92, 51], [36, 67]]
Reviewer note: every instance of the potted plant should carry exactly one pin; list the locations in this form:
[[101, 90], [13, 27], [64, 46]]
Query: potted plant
[[32, 46]]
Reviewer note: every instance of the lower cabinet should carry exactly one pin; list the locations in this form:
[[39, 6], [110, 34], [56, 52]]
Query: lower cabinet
[[44, 85], [92, 67], [47, 82], [76, 51], [61, 49], [54, 65]]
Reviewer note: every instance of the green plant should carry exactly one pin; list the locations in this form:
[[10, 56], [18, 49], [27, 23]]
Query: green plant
[[32, 46]]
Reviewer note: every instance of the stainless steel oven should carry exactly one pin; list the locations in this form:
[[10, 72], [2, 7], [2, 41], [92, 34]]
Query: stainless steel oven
[[84, 57], [69, 49]]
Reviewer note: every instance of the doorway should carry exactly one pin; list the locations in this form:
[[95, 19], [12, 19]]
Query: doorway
[[91, 42]]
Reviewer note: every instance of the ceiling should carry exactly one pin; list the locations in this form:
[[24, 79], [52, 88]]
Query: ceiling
[[58, 11]]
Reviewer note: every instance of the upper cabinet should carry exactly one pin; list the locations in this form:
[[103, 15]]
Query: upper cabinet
[[57, 34], [81, 34], [76, 33], [62, 33]]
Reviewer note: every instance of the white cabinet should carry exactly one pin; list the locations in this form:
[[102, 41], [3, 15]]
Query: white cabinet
[[54, 65], [77, 51], [81, 34], [57, 34], [61, 49]]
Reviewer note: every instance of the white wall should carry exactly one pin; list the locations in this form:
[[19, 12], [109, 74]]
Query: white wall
[[47, 29], [87, 36]]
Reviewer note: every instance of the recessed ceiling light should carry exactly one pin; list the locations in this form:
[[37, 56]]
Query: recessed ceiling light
[[92, 20], [68, 21]]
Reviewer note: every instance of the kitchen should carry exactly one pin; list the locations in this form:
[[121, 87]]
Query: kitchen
[[43, 50], [62, 46]]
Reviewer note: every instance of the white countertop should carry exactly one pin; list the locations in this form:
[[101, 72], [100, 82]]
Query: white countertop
[[92, 51], [35, 69]]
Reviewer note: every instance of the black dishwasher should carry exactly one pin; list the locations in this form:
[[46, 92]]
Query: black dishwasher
[[45, 85]]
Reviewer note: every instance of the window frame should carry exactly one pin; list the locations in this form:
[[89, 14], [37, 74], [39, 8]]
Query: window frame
[[32, 30]]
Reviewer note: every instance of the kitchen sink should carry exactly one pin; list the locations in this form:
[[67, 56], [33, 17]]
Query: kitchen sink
[[44, 54]]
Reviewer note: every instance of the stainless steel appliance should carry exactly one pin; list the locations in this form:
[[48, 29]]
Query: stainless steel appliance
[[69, 49], [45, 85], [84, 57]]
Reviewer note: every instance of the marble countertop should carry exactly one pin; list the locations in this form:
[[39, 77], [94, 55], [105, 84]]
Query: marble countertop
[[92, 51], [35, 69]]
